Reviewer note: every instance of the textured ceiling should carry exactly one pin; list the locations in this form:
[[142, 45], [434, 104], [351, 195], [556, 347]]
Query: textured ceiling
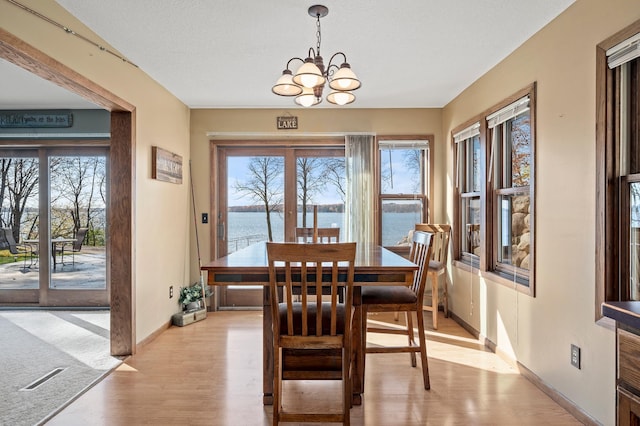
[[228, 54]]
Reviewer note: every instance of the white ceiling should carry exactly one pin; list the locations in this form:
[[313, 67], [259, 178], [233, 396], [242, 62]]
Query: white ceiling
[[228, 54]]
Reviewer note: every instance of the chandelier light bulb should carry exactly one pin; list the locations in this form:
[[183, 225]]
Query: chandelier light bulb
[[309, 81], [307, 98], [341, 98], [285, 85], [344, 79], [309, 75]]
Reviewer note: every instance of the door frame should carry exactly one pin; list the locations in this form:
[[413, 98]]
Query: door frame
[[122, 170]]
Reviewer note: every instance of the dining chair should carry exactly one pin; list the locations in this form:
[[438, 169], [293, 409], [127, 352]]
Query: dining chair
[[16, 249], [310, 327], [325, 235], [402, 299], [437, 267]]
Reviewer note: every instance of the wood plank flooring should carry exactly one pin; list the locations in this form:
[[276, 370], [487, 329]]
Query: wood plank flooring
[[210, 373]]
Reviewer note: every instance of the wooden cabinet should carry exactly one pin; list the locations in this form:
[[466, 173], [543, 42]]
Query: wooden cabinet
[[627, 316], [628, 408], [628, 380]]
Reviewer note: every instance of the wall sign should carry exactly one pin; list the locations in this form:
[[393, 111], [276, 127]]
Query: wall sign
[[287, 123], [26, 119], [166, 166]]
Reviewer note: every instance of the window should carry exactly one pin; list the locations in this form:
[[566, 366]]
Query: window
[[404, 187], [510, 183], [495, 192], [618, 168], [468, 182]]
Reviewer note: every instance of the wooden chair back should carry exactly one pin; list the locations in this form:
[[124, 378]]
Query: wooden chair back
[[420, 254], [325, 235], [437, 266], [310, 268], [441, 236]]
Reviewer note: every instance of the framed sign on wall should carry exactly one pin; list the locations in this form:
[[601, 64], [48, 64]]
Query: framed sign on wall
[[165, 165]]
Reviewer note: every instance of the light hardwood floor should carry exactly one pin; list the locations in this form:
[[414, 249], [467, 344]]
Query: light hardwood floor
[[210, 373]]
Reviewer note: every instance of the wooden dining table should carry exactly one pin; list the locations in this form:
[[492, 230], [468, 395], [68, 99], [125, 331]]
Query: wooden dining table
[[374, 265]]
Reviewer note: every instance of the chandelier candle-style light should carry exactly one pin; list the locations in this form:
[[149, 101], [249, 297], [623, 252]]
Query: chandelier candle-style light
[[309, 80]]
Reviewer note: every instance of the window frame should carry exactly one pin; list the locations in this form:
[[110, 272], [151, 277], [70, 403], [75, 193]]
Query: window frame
[[611, 257], [427, 184], [520, 279], [464, 189], [499, 186]]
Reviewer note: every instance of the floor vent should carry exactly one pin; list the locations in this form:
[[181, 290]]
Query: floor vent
[[43, 379]]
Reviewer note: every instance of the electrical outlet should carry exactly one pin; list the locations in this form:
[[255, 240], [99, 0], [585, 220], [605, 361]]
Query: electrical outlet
[[575, 356], [170, 292]]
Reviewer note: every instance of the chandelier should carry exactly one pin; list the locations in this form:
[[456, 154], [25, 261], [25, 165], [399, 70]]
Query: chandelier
[[309, 80]]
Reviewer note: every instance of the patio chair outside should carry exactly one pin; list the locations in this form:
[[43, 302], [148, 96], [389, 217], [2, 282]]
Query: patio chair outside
[[75, 247], [16, 249]]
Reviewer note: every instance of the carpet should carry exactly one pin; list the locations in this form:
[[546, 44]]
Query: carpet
[[48, 359]]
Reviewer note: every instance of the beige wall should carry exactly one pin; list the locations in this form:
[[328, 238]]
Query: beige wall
[[261, 123], [161, 218], [538, 331]]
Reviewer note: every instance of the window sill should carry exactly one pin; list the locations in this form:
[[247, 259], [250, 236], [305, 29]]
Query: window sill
[[493, 277]]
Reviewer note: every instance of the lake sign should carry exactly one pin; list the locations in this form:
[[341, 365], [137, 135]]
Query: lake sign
[[287, 123]]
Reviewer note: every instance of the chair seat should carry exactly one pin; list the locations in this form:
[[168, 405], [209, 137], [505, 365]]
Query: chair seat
[[311, 318], [379, 295], [435, 265]]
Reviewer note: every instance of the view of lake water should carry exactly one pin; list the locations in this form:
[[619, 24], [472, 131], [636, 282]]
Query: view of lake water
[[246, 228]]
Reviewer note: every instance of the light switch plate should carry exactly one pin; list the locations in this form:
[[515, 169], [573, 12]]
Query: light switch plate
[[575, 356]]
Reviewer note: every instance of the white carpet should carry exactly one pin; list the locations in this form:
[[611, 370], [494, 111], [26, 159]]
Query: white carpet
[[75, 344]]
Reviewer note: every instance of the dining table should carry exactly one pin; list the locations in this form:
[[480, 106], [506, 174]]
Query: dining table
[[374, 265]]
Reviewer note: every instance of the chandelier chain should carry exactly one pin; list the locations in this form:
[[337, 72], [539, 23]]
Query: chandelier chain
[[318, 34]]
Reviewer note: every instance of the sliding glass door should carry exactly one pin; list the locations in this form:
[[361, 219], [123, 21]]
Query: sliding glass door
[[53, 215], [263, 194]]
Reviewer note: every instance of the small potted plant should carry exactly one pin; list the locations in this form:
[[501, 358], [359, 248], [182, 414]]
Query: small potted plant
[[191, 297]]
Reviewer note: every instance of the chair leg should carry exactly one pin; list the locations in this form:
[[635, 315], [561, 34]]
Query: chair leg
[[423, 349], [445, 295], [346, 385], [412, 341], [434, 299], [362, 354], [277, 387]]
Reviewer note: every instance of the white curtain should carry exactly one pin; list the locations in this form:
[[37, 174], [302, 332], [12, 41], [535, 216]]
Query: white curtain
[[360, 202]]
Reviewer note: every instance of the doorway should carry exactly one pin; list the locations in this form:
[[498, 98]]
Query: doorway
[[122, 166]]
